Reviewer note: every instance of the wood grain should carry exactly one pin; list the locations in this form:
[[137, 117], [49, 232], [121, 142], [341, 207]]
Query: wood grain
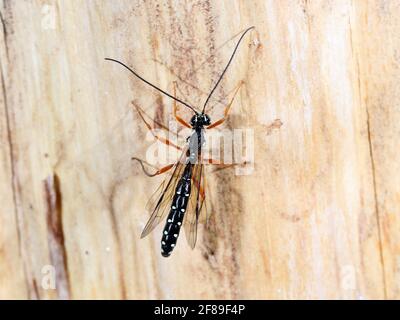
[[317, 219]]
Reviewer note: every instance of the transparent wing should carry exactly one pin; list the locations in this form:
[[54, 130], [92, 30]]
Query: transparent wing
[[160, 201], [205, 212], [196, 205]]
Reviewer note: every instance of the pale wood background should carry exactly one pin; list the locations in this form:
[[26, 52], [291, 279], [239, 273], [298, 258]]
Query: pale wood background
[[319, 218]]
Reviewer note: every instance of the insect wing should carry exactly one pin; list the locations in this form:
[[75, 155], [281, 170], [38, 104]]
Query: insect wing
[[159, 203], [196, 205]]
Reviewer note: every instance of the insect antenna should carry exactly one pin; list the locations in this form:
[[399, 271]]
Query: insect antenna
[[152, 85], [147, 173], [226, 68]]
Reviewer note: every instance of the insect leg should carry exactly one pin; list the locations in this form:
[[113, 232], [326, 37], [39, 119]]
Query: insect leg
[[201, 187], [163, 140], [212, 161], [221, 166], [211, 108], [227, 109], [178, 118], [158, 172], [226, 166]]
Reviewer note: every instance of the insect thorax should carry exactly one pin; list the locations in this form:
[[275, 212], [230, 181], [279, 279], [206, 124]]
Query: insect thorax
[[196, 142]]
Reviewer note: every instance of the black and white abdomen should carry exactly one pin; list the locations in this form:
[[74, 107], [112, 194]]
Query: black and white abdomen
[[177, 212]]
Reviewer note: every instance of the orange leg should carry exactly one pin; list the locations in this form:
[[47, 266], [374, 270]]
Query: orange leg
[[226, 166], [221, 166], [209, 109], [158, 172], [163, 140], [211, 161], [178, 118], [200, 187], [227, 109]]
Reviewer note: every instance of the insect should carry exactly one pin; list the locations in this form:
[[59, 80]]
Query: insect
[[182, 195]]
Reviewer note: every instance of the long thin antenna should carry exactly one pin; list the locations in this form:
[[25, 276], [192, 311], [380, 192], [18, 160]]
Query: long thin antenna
[[152, 85], [226, 68]]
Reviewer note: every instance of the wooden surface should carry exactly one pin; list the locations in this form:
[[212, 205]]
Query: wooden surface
[[318, 218]]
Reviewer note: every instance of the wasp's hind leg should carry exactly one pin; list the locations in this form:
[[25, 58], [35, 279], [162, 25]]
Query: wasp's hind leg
[[158, 172]]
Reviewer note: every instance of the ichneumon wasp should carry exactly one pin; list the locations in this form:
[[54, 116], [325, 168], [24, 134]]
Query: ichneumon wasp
[[183, 193]]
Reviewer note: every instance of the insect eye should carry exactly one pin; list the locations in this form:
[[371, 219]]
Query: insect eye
[[193, 120]]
